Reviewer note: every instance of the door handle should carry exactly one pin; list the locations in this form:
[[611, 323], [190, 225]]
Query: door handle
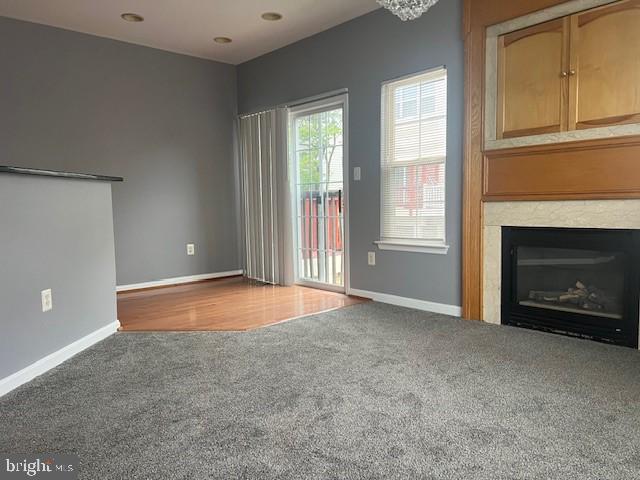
[[339, 201]]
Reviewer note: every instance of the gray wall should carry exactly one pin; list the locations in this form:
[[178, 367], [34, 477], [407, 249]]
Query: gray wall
[[163, 121], [54, 234], [359, 55]]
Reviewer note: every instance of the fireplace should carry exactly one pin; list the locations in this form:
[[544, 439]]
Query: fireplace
[[573, 281]]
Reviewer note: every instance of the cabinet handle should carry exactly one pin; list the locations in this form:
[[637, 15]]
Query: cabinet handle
[[563, 74], [572, 72]]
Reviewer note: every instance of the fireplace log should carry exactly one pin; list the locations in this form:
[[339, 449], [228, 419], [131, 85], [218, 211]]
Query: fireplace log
[[570, 298], [579, 292], [587, 305], [582, 296], [541, 295]]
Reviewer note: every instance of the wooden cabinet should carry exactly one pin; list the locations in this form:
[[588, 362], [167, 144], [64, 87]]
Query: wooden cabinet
[[576, 72], [605, 66], [531, 91]]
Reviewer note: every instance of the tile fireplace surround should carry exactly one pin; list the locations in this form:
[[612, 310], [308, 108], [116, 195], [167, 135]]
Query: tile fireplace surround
[[562, 214]]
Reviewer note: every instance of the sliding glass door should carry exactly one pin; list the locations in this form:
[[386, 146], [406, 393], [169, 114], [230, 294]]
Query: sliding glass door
[[318, 161]]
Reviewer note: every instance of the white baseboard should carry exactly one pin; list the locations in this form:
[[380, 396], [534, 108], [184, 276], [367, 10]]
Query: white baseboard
[[445, 309], [178, 280], [56, 358]]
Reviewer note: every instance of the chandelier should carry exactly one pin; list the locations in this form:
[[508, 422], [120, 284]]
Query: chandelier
[[407, 9]]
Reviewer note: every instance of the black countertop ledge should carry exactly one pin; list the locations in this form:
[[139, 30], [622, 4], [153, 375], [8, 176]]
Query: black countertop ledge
[[54, 173]]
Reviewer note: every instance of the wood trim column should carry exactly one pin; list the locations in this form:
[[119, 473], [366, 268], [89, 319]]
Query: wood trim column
[[472, 167]]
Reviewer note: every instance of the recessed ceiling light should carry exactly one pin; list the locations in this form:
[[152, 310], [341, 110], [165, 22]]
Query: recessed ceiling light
[[132, 17], [222, 40], [271, 16]]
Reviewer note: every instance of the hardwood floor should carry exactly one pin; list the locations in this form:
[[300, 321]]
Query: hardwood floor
[[223, 305]]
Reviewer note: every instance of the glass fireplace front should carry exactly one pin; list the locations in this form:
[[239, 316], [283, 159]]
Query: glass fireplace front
[[589, 282], [573, 281]]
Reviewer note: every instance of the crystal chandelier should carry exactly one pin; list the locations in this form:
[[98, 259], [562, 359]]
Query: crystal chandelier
[[407, 9]]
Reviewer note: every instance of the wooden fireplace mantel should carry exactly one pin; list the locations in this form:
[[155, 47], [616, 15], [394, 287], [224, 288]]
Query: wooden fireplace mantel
[[588, 169]]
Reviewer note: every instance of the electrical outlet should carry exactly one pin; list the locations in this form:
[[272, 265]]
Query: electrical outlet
[[191, 249], [356, 174], [371, 259], [47, 300]]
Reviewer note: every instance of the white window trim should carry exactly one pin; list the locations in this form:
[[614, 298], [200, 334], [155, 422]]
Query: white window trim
[[411, 245]]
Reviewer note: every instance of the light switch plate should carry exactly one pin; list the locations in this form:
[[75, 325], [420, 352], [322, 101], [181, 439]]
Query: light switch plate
[[47, 300], [371, 258], [191, 249], [356, 174]]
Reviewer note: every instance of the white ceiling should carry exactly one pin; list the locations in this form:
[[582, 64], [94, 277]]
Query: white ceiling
[[189, 26]]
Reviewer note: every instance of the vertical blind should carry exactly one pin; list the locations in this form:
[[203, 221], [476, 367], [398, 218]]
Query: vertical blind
[[414, 145], [265, 197]]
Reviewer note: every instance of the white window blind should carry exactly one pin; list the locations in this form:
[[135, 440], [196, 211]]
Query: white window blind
[[414, 145]]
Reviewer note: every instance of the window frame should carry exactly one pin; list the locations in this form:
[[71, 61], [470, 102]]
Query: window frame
[[409, 244], [330, 101]]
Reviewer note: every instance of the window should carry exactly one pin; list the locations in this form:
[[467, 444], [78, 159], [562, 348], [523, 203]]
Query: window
[[414, 150]]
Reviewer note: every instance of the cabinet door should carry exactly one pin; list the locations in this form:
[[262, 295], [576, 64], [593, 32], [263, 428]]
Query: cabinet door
[[605, 66], [532, 85]]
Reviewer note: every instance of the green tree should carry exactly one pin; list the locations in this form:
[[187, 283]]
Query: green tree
[[322, 132]]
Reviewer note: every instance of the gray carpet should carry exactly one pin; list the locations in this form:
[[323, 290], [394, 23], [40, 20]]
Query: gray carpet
[[369, 391]]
